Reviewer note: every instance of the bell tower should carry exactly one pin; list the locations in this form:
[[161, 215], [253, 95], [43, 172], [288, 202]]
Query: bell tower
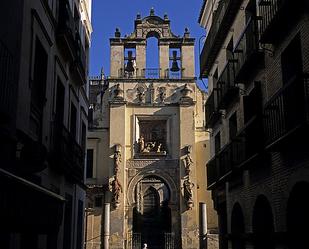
[[154, 129]]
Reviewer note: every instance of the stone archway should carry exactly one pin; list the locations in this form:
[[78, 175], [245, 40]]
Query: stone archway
[[152, 215], [237, 227], [298, 216], [263, 224]]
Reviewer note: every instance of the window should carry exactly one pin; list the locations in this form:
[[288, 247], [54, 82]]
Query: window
[[83, 137], [153, 134], [291, 61], [73, 120], [89, 170], [38, 88], [98, 201], [60, 102]]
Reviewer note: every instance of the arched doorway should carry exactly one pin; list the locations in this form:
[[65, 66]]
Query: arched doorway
[[298, 216], [237, 227], [262, 223], [152, 216]]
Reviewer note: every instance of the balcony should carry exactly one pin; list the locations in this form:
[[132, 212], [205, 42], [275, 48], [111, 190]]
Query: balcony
[[67, 156], [274, 17], [66, 28], [79, 65], [7, 85], [287, 113], [227, 89], [247, 52], [225, 162], [212, 113], [223, 18], [151, 73]]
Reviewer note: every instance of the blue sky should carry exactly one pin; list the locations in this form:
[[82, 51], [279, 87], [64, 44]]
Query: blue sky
[[109, 14]]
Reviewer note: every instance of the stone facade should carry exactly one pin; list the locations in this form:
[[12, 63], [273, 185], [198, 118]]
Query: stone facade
[[44, 48], [257, 116], [150, 144]]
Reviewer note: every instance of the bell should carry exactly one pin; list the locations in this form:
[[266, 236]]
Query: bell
[[129, 67], [175, 67]]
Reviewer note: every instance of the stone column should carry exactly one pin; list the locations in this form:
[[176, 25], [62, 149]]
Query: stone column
[[117, 59], [187, 60], [164, 59], [106, 231], [203, 228], [140, 59]]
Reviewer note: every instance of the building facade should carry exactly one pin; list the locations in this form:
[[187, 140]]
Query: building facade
[[44, 53], [255, 57], [148, 146]]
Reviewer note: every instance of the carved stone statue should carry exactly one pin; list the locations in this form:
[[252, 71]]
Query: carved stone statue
[[116, 189], [162, 94], [140, 94], [141, 144], [149, 146], [117, 160], [159, 148], [188, 194], [188, 163]]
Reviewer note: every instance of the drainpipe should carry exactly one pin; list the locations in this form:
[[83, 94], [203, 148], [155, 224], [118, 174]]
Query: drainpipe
[[203, 230]]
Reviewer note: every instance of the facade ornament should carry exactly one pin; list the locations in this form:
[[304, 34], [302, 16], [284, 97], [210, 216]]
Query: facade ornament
[[185, 95], [162, 94], [188, 192], [186, 91], [117, 158], [141, 144], [188, 160], [141, 95], [116, 190], [118, 92]]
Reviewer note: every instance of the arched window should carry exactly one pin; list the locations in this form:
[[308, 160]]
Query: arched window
[[152, 58]]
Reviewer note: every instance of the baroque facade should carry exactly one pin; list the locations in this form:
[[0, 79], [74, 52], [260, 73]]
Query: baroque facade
[[44, 46], [147, 146], [255, 57]]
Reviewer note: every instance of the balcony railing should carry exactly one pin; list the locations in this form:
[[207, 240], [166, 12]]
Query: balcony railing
[[274, 13], [80, 59], [7, 84], [222, 164], [211, 109], [223, 18], [227, 89], [68, 155], [66, 26], [247, 50], [287, 110], [151, 73]]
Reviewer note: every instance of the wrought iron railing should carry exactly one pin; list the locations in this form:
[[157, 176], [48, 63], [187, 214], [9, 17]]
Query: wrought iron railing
[[223, 163], [246, 47], [173, 75], [66, 25], [287, 109], [227, 88], [273, 15], [7, 84], [211, 110], [222, 20], [151, 73], [68, 154]]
